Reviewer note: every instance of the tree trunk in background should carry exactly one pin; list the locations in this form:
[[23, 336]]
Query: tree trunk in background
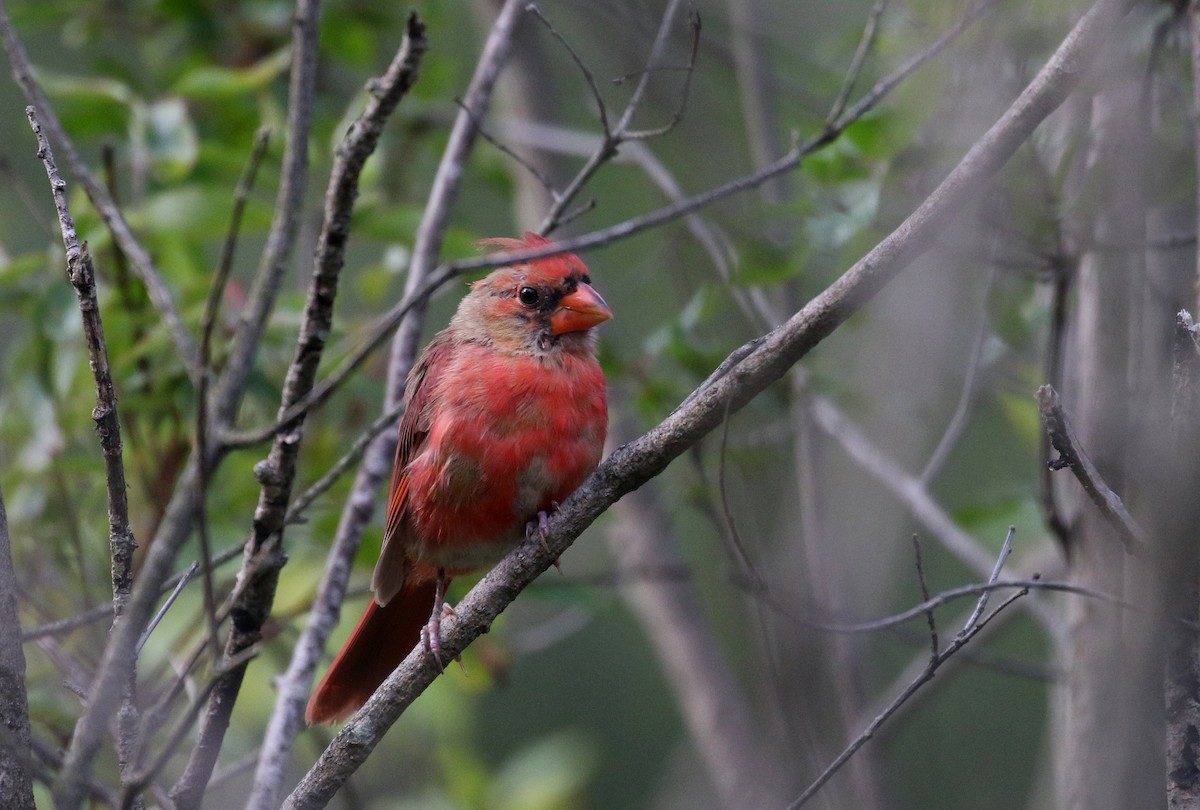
[[16, 783], [1109, 734]]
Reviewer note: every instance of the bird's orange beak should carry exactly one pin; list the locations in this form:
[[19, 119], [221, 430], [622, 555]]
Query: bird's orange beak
[[580, 310]]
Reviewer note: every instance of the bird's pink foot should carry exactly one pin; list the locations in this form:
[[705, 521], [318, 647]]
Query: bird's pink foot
[[539, 526]]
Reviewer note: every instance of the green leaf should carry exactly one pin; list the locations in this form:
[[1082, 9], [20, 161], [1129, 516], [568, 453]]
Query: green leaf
[[548, 775], [195, 210], [168, 137], [216, 83]]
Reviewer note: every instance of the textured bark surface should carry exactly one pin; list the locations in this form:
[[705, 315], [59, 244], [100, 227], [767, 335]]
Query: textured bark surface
[[16, 782]]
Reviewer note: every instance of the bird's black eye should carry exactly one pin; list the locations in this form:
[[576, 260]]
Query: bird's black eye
[[528, 296]]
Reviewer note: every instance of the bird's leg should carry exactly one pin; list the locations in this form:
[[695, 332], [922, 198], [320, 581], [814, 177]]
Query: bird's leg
[[539, 526], [431, 634]]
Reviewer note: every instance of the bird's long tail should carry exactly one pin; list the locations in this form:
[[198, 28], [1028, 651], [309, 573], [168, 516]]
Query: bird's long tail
[[383, 638]]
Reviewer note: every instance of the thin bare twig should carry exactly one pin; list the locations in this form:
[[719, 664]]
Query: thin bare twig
[[1005, 550], [211, 308], [954, 594], [162, 611], [857, 61], [929, 617], [588, 76], [82, 276], [1072, 455], [688, 70], [613, 137], [958, 422], [960, 640], [104, 611], [295, 513]]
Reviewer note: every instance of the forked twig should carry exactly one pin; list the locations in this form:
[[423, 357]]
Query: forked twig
[[974, 625], [1071, 455]]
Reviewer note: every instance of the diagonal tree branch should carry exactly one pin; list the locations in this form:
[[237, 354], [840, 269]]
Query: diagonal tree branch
[[635, 463]]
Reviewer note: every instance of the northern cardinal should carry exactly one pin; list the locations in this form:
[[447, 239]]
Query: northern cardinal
[[505, 417]]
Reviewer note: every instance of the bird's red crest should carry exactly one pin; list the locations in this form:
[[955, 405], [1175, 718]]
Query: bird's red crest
[[553, 267]]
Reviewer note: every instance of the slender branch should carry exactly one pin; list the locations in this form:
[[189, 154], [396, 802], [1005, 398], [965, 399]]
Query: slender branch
[[211, 308], [930, 619], [16, 764], [966, 397], [166, 606], [1005, 551], [613, 137], [1072, 455], [264, 555], [640, 460], [857, 61], [656, 50], [289, 202], [104, 611], [122, 544], [60, 627], [954, 594], [588, 76], [681, 107], [110, 213], [295, 513], [82, 276]]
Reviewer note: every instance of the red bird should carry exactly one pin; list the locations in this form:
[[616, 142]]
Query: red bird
[[505, 418]]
